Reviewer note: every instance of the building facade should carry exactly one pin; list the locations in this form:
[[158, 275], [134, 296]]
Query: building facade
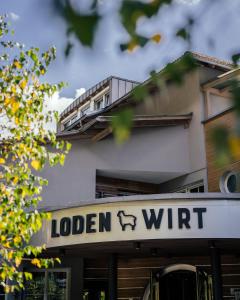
[[151, 219]]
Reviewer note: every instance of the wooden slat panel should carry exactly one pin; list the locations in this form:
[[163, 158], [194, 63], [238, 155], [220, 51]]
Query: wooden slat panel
[[160, 261], [227, 290], [96, 273], [130, 293], [133, 282], [136, 272], [231, 279]]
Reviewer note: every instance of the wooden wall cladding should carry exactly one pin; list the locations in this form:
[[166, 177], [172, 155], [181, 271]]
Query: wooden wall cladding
[[215, 171], [115, 186]]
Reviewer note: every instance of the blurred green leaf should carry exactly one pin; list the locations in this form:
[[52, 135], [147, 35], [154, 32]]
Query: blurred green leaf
[[68, 49], [220, 139], [183, 33], [83, 26], [235, 91], [236, 58], [140, 92], [175, 71], [122, 124], [130, 12]]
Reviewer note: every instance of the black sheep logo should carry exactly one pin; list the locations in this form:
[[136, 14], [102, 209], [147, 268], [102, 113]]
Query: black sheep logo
[[126, 220]]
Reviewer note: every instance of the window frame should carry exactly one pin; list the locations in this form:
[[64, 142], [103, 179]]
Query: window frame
[[99, 100], [85, 109], [54, 270], [188, 187], [106, 99]]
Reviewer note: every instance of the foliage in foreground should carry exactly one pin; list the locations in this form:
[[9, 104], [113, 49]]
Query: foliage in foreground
[[82, 23], [26, 147]]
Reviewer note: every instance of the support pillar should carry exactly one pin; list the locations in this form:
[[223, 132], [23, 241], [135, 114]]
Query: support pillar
[[112, 277], [216, 271], [77, 276]]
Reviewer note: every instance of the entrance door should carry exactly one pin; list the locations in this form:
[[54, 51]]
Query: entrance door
[[178, 285], [179, 282]]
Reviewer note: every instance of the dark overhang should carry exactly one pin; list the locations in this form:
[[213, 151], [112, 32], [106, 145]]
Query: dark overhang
[[100, 127], [127, 99]]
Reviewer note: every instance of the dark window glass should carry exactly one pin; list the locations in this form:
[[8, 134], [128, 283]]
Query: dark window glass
[[107, 99], [194, 190], [35, 287], [57, 285], [46, 285], [2, 294], [232, 183]]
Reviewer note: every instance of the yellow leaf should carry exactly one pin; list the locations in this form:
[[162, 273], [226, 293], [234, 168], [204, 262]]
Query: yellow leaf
[[132, 46], [156, 38], [7, 289], [234, 144], [13, 89], [18, 261], [3, 238], [29, 102], [3, 275], [17, 122], [36, 262], [2, 161], [17, 239], [7, 245], [48, 216], [15, 106], [10, 255], [23, 84], [17, 64], [15, 180], [7, 100], [42, 71], [36, 164]]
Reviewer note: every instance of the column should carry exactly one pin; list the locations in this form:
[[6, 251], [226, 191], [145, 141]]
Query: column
[[112, 277], [216, 271], [77, 276]]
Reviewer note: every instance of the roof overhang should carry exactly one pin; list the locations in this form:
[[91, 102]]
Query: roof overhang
[[100, 127]]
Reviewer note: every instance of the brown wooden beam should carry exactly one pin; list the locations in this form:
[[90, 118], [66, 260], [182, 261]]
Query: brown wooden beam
[[116, 184], [102, 134]]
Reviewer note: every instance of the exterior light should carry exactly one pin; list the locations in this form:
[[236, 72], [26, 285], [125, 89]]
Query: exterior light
[[137, 245]]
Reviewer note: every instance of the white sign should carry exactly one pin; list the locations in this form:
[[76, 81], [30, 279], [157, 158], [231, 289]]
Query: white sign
[[143, 220]]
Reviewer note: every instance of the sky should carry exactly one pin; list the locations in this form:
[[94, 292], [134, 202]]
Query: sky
[[37, 24]]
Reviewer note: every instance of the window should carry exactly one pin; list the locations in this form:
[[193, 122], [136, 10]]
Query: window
[[107, 99], [2, 294], [71, 121], [74, 118], [99, 104], [193, 188], [85, 110], [229, 182], [48, 285], [68, 123]]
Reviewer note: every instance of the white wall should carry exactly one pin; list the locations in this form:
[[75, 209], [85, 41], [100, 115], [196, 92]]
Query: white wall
[[150, 150]]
